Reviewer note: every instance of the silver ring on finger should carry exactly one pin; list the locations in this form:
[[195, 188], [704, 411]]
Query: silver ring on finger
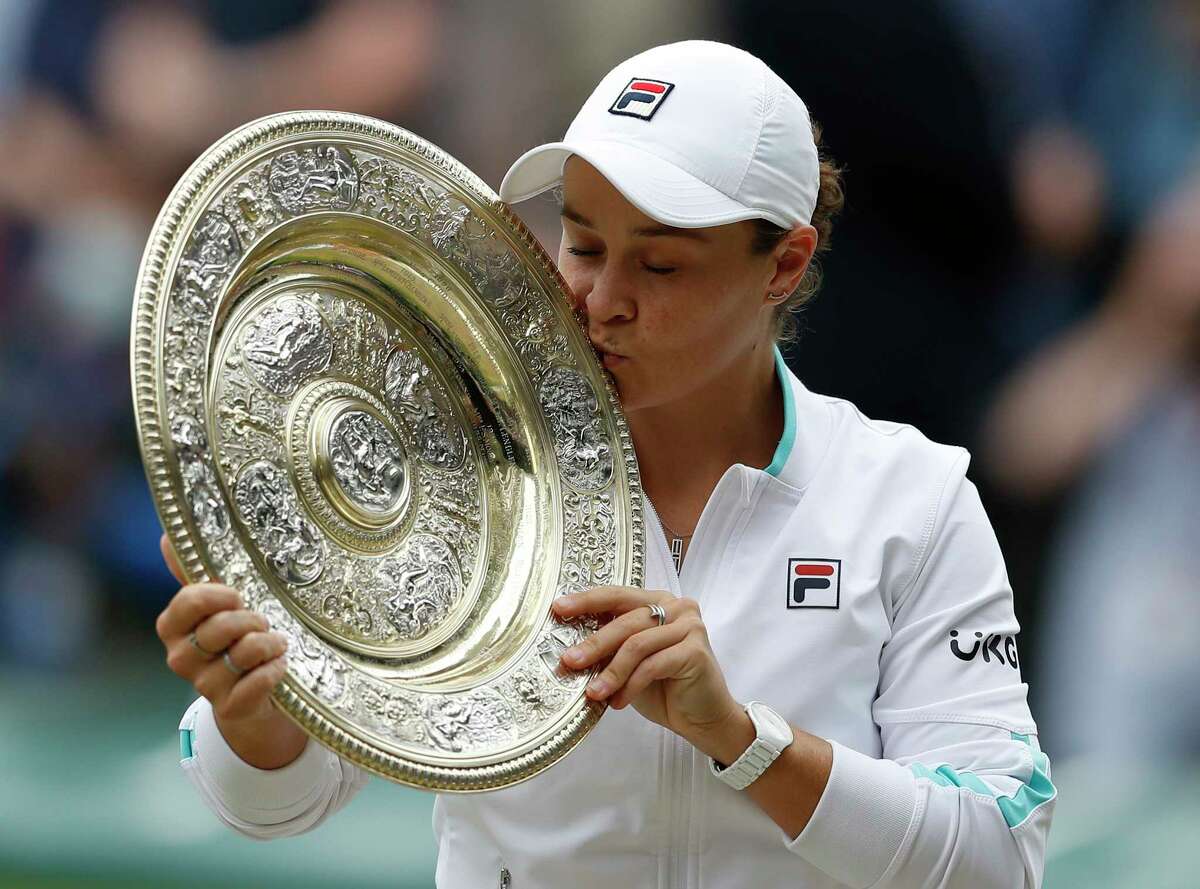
[[233, 668], [204, 652], [658, 612]]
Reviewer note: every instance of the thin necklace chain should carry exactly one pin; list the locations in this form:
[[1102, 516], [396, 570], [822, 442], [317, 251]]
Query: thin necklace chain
[[671, 531], [676, 542]]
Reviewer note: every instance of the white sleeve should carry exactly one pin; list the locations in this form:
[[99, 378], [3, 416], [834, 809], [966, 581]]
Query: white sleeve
[[962, 796], [263, 804]]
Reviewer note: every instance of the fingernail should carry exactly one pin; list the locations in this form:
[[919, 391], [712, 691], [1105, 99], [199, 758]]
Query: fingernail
[[598, 686], [573, 654]]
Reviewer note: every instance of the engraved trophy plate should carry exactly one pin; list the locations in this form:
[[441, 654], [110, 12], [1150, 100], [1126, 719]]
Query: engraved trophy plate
[[363, 400]]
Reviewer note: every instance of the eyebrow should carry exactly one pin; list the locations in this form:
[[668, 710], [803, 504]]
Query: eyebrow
[[648, 231]]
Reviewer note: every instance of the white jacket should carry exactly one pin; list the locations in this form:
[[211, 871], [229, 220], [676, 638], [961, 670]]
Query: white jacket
[[906, 662]]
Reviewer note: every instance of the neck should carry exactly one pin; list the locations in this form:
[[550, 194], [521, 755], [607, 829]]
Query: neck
[[685, 446]]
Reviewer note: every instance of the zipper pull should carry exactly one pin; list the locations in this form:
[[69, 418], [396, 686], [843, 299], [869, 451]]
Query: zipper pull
[[505, 878]]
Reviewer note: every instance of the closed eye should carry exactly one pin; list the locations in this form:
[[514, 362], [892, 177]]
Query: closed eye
[[657, 270]]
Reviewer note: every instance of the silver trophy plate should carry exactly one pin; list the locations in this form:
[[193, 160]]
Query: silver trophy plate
[[364, 401]]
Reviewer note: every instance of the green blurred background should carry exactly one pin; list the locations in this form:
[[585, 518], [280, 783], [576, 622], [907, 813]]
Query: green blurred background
[[93, 796]]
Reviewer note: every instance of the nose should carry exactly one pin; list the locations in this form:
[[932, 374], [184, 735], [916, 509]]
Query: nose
[[605, 296]]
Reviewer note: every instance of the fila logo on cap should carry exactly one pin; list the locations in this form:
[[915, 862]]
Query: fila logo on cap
[[641, 98], [814, 583]]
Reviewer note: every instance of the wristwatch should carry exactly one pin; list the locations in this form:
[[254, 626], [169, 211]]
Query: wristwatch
[[773, 735]]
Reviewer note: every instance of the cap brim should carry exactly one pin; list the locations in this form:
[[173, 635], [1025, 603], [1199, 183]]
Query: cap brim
[[657, 187]]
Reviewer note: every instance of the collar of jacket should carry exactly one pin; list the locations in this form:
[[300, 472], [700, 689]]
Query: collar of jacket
[[807, 429]]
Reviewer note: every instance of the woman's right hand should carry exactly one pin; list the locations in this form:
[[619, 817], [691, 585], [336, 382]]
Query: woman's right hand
[[213, 615]]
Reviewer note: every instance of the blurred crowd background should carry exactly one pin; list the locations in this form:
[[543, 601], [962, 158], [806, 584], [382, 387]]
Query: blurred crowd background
[[1017, 271]]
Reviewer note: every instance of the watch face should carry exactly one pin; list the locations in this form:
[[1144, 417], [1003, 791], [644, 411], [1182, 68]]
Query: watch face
[[771, 727]]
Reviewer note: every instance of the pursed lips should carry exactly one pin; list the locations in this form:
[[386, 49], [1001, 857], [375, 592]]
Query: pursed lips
[[604, 349], [612, 361]]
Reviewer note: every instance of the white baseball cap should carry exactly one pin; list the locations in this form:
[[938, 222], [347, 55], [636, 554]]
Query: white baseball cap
[[693, 134]]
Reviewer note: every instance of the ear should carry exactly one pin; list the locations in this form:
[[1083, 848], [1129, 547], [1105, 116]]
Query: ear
[[792, 256]]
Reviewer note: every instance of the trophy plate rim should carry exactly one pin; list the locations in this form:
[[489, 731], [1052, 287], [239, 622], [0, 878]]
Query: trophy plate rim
[[510, 757]]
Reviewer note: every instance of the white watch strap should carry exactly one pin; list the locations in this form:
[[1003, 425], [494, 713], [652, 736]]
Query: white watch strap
[[773, 734]]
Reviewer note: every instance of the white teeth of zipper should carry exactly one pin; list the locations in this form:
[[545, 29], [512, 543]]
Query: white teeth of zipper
[[678, 756]]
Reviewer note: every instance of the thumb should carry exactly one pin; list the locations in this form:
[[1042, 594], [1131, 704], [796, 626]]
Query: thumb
[[173, 565]]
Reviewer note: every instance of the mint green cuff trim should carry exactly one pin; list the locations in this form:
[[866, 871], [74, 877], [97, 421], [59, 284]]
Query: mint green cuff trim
[[1016, 808], [185, 743], [1040, 789], [784, 449]]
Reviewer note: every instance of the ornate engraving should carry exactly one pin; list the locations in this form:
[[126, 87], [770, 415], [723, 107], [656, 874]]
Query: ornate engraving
[[250, 421], [309, 660], [200, 486], [557, 637], [447, 225], [318, 668], [248, 204], [345, 608], [416, 395], [537, 334], [316, 178], [183, 342], [455, 493], [367, 461], [360, 338], [533, 695], [426, 585], [191, 442], [480, 719], [181, 379], [371, 531], [584, 454], [590, 541], [287, 344], [236, 568], [351, 612], [210, 255], [426, 211], [396, 714], [454, 514], [411, 202], [208, 509], [291, 543]]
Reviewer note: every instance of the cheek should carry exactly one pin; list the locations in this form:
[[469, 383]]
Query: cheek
[[579, 283], [699, 320]]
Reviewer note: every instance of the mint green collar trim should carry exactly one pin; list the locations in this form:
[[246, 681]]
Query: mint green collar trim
[[784, 448]]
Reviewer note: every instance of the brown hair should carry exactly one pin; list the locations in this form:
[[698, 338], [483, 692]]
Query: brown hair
[[830, 198]]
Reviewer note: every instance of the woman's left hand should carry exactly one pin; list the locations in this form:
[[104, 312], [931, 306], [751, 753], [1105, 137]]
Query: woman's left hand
[[668, 673]]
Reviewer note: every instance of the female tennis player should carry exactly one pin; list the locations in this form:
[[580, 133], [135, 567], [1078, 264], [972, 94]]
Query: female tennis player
[[819, 685]]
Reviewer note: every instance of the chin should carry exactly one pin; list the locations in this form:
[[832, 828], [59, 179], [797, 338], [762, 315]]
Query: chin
[[626, 391], [635, 394]]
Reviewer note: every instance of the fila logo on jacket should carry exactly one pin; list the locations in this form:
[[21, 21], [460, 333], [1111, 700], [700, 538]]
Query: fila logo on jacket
[[814, 583]]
